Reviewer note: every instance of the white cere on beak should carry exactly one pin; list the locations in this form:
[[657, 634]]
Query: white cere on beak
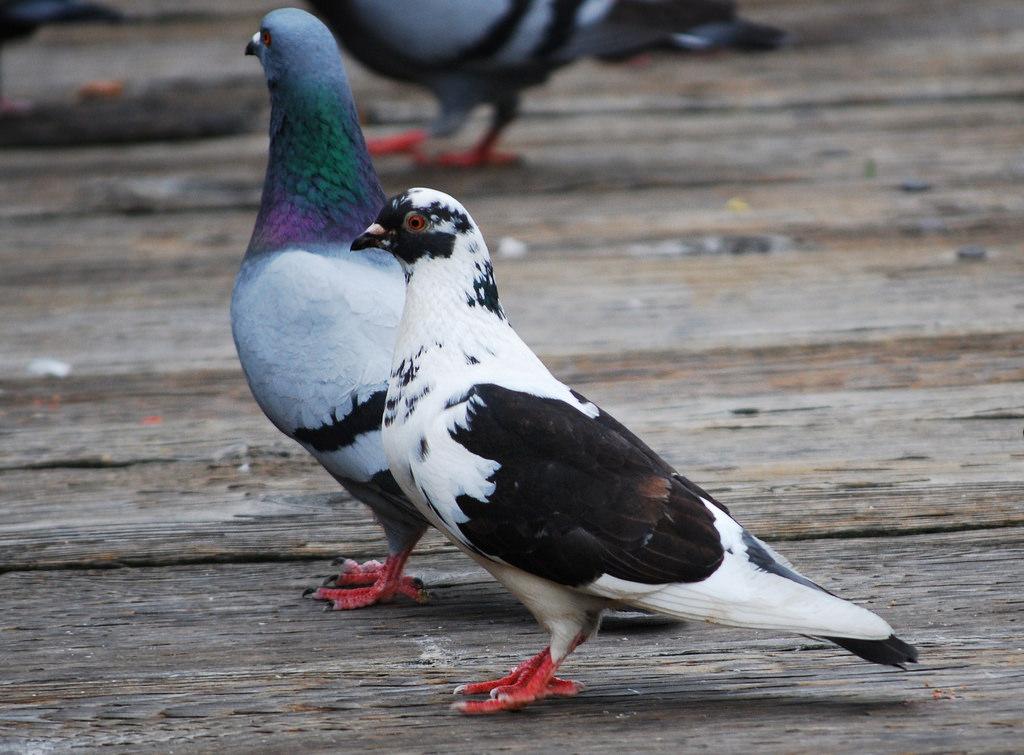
[[257, 42], [375, 229]]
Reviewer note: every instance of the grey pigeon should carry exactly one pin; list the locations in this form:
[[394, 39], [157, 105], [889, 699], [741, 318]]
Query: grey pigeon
[[473, 52], [314, 323], [21, 18], [560, 502]]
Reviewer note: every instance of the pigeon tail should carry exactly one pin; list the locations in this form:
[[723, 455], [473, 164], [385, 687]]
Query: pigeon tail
[[737, 35], [753, 588], [737, 595], [889, 652]]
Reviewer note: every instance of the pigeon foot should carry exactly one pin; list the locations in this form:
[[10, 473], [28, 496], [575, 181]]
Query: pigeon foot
[[531, 680], [478, 156], [471, 158], [361, 585], [408, 142]]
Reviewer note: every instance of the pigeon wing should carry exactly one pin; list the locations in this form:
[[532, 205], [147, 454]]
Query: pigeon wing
[[577, 497]]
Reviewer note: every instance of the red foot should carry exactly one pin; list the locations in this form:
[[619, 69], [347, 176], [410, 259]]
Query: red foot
[[384, 581], [408, 142], [525, 668], [531, 680], [471, 158]]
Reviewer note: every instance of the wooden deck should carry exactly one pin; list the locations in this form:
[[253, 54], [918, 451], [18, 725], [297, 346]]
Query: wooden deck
[[758, 263]]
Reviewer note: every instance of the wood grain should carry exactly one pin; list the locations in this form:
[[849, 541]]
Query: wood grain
[[751, 261]]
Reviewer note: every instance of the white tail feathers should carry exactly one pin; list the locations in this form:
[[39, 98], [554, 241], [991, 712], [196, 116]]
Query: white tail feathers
[[754, 587], [739, 595]]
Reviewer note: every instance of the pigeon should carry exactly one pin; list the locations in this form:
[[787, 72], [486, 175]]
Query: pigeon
[[21, 18], [314, 323], [561, 503], [473, 52]]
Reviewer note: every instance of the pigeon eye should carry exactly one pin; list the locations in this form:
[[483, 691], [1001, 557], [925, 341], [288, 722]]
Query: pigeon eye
[[265, 38], [415, 222]]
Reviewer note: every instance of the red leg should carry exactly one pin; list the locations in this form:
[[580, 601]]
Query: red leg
[[529, 681], [482, 154], [384, 581], [408, 142]]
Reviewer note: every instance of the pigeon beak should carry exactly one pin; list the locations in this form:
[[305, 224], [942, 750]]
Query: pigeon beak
[[374, 237], [250, 49]]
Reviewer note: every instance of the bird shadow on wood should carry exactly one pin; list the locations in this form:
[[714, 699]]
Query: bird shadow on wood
[[706, 706]]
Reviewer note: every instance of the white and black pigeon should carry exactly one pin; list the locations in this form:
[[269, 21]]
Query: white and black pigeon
[[562, 504], [21, 18], [313, 322], [474, 52]]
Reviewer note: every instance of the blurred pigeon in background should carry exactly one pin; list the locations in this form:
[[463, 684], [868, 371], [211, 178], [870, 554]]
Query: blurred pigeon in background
[[21, 18], [473, 52]]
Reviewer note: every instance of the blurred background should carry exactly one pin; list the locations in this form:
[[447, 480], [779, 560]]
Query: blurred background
[[892, 122]]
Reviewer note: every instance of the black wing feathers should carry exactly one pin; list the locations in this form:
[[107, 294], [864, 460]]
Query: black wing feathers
[[617, 427], [577, 497]]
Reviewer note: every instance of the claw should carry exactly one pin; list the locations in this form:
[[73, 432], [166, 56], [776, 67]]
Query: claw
[[359, 585], [533, 679], [308, 591]]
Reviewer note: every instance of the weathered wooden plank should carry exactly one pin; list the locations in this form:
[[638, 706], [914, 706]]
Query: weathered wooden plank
[[230, 658], [177, 110], [677, 150], [118, 322], [800, 442], [101, 518]]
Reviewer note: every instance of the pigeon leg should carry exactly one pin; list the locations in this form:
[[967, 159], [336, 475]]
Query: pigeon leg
[[408, 142], [529, 681], [384, 581], [484, 152]]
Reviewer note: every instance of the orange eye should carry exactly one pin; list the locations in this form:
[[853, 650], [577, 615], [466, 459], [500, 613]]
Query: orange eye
[[265, 38], [415, 222]]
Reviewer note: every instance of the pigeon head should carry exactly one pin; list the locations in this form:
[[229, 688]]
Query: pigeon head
[[320, 187], [434, 238], [422, 224], [293, 46]]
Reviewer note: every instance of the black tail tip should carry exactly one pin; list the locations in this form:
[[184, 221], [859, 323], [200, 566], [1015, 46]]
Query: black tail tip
[[737, 35], [752, 37], [889, 652]]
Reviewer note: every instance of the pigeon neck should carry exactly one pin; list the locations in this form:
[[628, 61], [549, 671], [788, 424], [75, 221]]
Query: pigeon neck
[[453, 302], [320, 187]]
